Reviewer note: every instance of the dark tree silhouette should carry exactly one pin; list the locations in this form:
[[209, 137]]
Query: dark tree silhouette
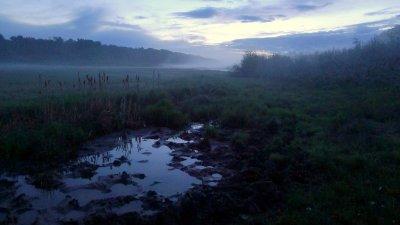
[[20, 49]]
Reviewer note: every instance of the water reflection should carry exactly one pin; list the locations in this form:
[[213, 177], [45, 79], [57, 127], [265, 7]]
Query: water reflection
[[132, 167]]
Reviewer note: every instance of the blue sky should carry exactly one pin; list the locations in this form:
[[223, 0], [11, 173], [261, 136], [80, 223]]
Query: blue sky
[[218, 27]]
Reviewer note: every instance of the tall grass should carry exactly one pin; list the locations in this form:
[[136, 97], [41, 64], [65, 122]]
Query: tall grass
[[332, 146]]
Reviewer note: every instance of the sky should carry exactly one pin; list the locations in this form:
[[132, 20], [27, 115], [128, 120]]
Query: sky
[[221, 29]]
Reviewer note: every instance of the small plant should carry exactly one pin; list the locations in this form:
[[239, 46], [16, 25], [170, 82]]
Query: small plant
[[211, 131], [240, 139]]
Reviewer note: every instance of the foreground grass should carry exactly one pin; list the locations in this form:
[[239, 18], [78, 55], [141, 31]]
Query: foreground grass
[[337, 142]]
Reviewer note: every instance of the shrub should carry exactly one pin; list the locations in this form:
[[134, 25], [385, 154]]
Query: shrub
[[163, 113]]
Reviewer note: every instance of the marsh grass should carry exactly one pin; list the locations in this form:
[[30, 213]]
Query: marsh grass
[[331, 145]]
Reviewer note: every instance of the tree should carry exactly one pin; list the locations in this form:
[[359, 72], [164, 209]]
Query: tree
[[20, 49], [379, 56]]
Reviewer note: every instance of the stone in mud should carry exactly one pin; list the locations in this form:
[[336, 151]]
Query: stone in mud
[[188, 136], [153, 137], [21, 203], [151, 194], [117, 163], [203, 145], [84, 169], [175, 165], [177, 158], [120, 160], [157, 144], [212, 178], [68, 204], [152, 201], [47, 181], [155, 183], [139, 176], [103, 187], [123, 159], [104, 183], [72, 217], [123, 178], [174, 145], [103, 206], [176, 162], [212, 184], [87, 173]]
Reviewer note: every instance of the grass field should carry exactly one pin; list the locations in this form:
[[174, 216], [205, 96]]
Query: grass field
[[336, 142]]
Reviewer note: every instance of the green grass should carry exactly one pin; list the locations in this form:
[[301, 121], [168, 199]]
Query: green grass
[[337, 142]]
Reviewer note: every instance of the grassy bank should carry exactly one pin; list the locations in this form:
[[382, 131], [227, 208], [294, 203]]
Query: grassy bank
[[336, 142]]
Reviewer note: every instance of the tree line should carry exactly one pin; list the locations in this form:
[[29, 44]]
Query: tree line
[[58, 51], [379, 56]]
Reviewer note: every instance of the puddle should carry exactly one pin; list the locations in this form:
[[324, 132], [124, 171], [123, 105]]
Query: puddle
[[118, 179], [195, 128], [178, 140]]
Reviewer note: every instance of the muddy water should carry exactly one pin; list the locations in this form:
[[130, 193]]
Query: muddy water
[[117, 174]]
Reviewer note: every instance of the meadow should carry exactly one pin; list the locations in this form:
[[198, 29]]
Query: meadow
[[331, 146]]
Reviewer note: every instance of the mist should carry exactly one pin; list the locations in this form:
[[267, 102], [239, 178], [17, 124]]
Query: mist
[[197, 112]]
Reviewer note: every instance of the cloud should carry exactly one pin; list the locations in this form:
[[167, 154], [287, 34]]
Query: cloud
[[309, 7], [88, 24], [229, 15], [317, 41], [249, 19], [196, 38], [254, 11], [201, 13], [140, 17], [386, 11]]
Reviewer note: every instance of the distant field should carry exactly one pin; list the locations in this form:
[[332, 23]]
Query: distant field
[[25, 82]]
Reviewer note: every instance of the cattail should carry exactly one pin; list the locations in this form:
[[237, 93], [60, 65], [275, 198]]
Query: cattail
[[99, 79], [137, 83], [158, 79], [127, 80], [154, 78]]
